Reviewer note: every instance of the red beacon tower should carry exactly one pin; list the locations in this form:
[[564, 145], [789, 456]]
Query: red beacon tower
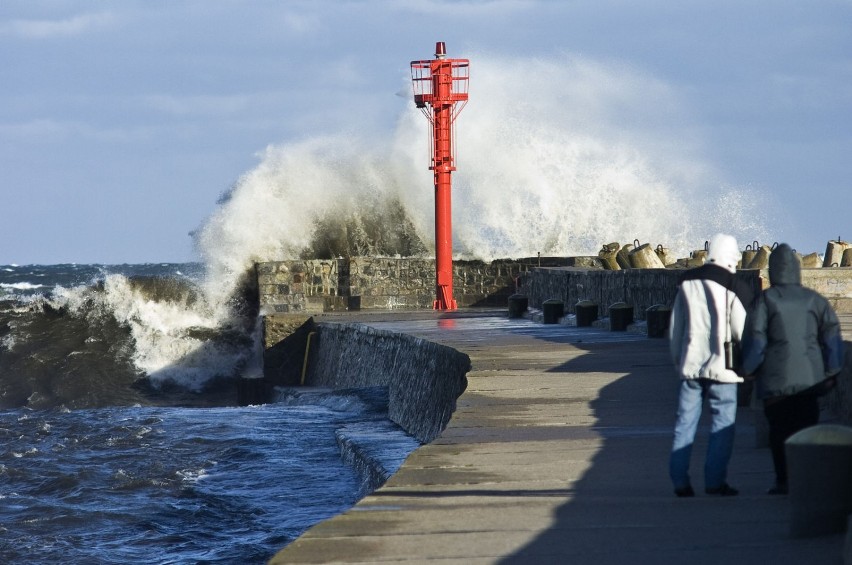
[[442, 85]]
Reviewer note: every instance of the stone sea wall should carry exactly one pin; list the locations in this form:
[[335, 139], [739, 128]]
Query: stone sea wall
[[423, 378], [639, 288], [370, 283], [834, 283], [356, 283]]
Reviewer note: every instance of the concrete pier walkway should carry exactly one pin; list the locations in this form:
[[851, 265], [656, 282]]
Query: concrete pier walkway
[[558, 453]]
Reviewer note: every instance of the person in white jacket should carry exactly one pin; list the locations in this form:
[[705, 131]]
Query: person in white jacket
[[709, 310]]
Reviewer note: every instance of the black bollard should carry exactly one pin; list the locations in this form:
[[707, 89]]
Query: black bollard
[[620, 316], [518, 304], [587, 312], [552, 310], [657, 318], [819, 461]]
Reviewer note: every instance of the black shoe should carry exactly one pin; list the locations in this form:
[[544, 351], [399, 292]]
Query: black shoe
[[724, 490], [684, 492], [779, 488]]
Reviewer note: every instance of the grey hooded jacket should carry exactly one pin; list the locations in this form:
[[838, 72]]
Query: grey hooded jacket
[[794, 342]]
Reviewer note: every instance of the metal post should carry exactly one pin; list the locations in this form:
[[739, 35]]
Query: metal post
[[442, 83]]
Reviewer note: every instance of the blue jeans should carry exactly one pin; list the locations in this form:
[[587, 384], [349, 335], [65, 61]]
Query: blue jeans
[[722, 398]]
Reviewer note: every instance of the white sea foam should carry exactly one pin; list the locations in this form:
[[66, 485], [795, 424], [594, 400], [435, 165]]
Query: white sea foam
[[166, 341], [556, 156], [21, 286], [165, 347]]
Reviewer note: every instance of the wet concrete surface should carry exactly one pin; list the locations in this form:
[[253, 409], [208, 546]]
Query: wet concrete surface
[[557, 453]]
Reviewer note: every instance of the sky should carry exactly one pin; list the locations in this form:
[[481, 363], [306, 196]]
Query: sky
[[122, 124]]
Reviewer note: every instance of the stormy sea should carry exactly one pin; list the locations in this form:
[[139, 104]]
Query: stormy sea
[[120, 437]]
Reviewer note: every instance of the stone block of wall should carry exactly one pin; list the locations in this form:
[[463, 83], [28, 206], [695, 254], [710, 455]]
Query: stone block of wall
[[476, 283], [300, 286], [391, 283]]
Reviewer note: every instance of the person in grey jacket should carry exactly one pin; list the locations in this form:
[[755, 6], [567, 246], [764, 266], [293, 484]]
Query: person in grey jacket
[[795, 349], [709, 309]]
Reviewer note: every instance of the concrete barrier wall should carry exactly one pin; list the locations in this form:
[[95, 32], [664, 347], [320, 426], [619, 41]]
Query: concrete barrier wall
[[640, 288], [356, 283], [834, 283], [424, 379], [643, 288]]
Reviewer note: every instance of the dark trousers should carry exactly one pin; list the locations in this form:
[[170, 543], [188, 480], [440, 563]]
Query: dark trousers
[[787, 416]]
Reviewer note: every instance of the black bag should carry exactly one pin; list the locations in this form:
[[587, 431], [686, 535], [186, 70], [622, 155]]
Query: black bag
[[733, 349], [733, 356]]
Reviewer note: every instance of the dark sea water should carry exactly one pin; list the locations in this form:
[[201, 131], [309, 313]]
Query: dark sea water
[[120, 441]]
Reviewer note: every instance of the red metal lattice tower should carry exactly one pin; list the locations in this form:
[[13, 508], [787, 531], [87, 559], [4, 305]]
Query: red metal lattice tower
[[442, 85]]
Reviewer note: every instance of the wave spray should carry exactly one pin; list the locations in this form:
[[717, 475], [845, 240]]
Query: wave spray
[[555, 156]]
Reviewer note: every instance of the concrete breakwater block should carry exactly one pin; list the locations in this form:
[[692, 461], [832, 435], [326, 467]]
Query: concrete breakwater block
[[644, 257], [834, 253], [608, 254], [761, 258], [811, 261], [748, 255], [819, 461]]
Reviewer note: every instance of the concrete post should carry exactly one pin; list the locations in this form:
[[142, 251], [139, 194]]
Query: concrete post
[[657, 318], [819, 461], [518, 304], [586, 312], [552, 310], [620, 316]]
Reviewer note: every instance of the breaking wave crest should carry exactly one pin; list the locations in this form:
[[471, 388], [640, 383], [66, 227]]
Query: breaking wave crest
[[121, 340]]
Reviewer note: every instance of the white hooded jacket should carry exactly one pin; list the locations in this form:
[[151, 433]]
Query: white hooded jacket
[[706, 313]]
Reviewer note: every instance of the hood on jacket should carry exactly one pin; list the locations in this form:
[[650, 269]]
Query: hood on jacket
[[784, 266], [724, 252]]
